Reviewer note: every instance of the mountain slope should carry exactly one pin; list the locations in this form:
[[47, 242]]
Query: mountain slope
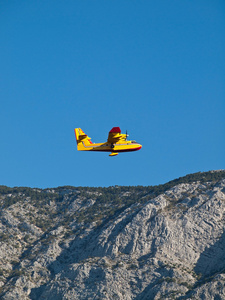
[[157, 242]]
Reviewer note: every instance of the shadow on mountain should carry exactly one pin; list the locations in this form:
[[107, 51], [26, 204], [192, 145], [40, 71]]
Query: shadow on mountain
[[210, 262], [36, 292], [70, 255], [212, 259], [88, 246], [83, 248], [151, 290]]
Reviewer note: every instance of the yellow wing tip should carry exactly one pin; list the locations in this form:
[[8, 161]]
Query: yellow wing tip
[[113, 154]]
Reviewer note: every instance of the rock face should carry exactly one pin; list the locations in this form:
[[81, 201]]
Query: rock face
[[140, 244]]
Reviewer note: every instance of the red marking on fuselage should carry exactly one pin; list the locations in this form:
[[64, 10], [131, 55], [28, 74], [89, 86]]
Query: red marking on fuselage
[[112, 150], [128, 150]]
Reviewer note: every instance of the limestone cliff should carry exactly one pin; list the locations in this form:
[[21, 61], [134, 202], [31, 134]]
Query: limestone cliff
[[165, 242]]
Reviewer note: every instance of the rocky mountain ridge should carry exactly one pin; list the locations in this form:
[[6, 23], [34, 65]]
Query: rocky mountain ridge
[[163, 242]]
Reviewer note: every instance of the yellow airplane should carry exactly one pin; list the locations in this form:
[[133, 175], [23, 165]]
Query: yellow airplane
[[116, 142]]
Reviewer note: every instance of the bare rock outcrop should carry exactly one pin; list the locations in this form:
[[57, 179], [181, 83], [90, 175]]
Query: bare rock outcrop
[[165, 245]]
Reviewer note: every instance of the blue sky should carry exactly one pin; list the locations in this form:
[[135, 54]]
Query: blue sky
[[154, 68]]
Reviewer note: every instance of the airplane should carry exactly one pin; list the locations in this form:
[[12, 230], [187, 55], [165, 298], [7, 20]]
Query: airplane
[[115, 144]]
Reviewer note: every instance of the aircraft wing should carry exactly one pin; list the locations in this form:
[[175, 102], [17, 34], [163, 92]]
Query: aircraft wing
[[115, 135]]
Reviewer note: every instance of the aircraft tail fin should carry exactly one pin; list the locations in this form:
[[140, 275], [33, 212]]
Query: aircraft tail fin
[[83, 141]]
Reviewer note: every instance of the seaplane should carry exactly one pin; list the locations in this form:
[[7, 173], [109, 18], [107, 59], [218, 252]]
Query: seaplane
[[116, 142]]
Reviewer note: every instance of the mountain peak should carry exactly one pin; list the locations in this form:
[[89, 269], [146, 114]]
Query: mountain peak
[[151, 242]]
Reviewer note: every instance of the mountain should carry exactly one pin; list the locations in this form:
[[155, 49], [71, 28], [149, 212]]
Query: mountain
[[154, 242]]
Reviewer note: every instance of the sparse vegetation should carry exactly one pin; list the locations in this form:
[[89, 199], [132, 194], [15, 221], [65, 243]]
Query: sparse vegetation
[[108, 202], [48, 220]]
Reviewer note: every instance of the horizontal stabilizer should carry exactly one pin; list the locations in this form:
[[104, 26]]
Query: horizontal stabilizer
[[83, 136]]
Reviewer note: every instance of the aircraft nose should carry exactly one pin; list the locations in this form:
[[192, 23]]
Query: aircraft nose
[[139, 146]]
